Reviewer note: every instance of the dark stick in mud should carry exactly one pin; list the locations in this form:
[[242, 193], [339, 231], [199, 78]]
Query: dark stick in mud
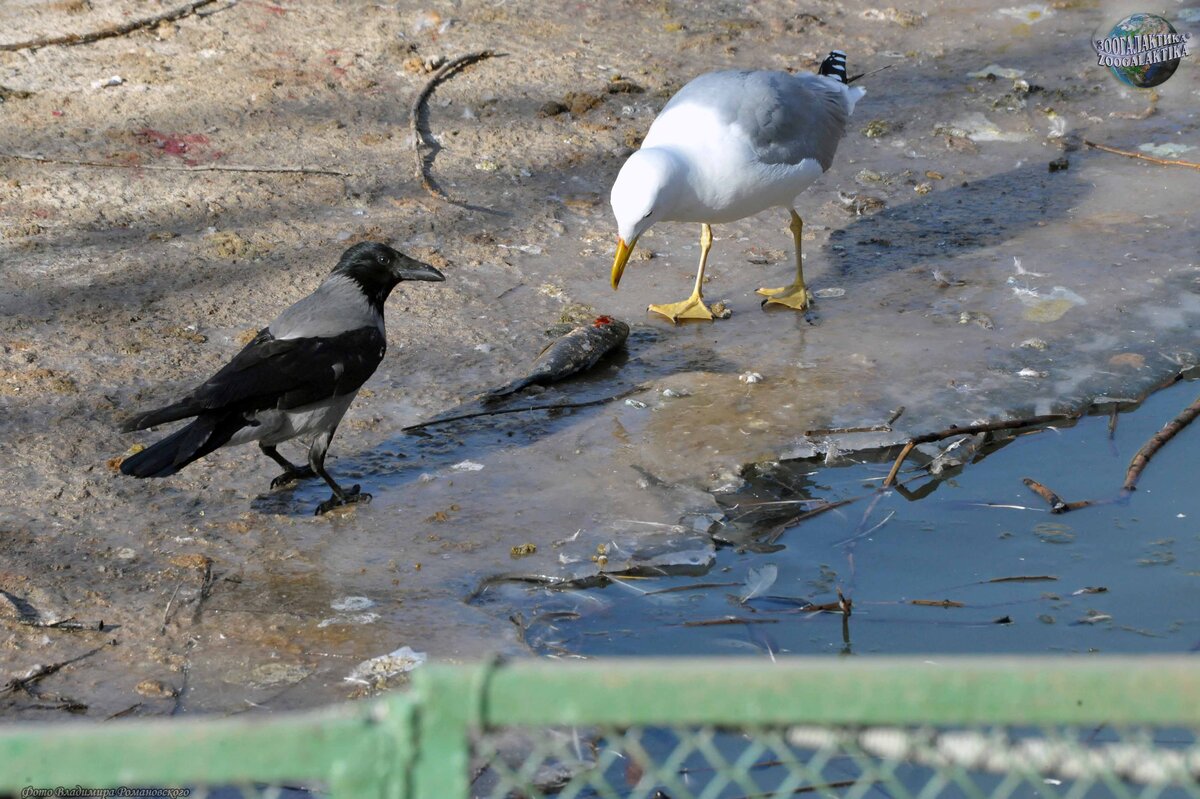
[[108, 33], [1141, 156], [418, 107], [982, 427], [558, 406], [1142, 459], [38, 672]]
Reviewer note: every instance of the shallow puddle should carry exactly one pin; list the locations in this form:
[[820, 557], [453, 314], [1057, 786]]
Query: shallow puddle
[[970, 562]]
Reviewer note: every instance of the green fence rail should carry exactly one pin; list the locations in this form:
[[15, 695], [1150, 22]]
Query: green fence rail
[[674, 729]]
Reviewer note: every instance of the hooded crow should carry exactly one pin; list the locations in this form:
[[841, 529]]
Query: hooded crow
[[294, 380]]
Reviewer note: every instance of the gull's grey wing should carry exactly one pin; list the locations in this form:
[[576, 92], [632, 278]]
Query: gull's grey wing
[[787, 118]]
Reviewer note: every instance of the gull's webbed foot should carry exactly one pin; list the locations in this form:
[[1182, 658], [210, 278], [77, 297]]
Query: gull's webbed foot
[[793, 296], [691, 308]]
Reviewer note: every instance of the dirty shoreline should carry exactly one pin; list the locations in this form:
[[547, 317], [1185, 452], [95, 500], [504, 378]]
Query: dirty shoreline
[[957, 276]]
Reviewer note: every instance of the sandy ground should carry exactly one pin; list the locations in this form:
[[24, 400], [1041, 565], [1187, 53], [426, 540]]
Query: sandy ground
[[122, 287]]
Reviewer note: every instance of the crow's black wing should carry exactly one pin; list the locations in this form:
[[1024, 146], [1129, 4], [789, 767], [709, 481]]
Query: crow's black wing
[[281, 373]]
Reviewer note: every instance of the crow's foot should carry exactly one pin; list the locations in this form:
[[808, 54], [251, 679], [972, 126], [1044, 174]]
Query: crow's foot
[[292, 476], [351, 496]]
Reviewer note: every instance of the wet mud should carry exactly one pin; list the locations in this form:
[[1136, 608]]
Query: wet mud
[[957, 276]]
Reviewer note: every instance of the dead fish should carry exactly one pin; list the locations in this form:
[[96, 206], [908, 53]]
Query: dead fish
[[575, 352]]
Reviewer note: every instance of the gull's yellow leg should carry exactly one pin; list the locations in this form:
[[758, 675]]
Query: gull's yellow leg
[[794, 295], [693, 307]]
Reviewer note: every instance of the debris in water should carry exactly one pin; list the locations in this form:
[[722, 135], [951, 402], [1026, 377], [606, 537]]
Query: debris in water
[[466, 466], [759, 581], [1030, 14], [1089, 589], [1092, 617], [936, 603], [1022, 578], [750, 377], [377, 670], [829, 293], [1059, 164], [352, 603]]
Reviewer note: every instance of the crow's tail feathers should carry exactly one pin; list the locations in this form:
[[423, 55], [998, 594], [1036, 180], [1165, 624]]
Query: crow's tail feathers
[[205, 434], [172, 413]]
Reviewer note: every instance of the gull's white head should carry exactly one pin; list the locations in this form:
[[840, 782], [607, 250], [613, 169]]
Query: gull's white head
[[646, 191]]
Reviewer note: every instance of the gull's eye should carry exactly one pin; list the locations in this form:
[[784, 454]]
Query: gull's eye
[[648, 213]]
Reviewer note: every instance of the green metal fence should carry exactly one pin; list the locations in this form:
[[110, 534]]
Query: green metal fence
[[674, 729]]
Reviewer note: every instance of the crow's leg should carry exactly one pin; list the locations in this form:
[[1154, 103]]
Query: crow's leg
[[341, 496], [291, 472]]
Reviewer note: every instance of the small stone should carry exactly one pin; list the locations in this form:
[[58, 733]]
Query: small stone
[[750, 377], [154, 689], [877, 129], [1033, 344], [720, 310], [1059, 164], [923, 188], [522, 551], [552, 109]]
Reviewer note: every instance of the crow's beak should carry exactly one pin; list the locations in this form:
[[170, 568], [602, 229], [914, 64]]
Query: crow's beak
[[409, 269], [622, 257]]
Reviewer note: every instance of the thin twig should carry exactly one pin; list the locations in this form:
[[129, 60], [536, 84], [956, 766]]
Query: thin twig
[[1053, 500], [1141, 157], [166, 619], [110, 32], [982, 427], [498, 412], [727, 620], [1112, 421], [895, 470], [936, 603], [1056, 503], [418, 106], [1143, 456], [781, 528], [283, 170], [834, 431], [38, 672]]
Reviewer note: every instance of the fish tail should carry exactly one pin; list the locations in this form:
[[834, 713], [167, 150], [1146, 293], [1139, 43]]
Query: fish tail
[[497, 394]]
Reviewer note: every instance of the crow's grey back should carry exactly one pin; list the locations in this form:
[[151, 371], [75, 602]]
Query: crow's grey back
[[337, 306]]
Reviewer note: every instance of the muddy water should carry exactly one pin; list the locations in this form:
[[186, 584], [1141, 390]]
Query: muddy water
[[1005, 289]]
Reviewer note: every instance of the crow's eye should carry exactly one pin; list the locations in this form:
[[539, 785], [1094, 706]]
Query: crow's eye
[[383, 259]]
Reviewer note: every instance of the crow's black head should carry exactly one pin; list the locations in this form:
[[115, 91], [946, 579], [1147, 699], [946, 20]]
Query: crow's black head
[[377, 268]]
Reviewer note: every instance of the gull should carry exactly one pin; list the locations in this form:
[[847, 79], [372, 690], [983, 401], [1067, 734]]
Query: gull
[[730, 145]]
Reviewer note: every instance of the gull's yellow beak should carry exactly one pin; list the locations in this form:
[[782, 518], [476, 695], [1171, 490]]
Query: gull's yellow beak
[[620, 260]]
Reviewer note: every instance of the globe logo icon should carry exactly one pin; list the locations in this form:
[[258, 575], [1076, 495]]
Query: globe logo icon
[[1142, 50]]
